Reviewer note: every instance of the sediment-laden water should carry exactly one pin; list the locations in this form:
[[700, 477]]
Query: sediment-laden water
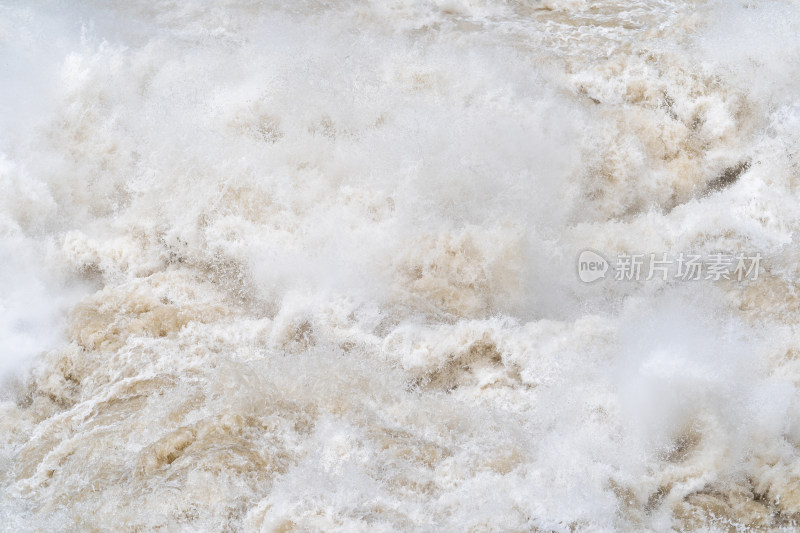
[[313, 266]]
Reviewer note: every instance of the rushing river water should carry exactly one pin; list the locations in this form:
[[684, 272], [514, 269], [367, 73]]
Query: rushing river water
[[314, 266]]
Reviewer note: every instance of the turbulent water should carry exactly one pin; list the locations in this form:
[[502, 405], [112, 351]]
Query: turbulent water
[[311, 266]]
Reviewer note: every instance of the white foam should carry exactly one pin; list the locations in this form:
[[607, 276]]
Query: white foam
[[311, 266]]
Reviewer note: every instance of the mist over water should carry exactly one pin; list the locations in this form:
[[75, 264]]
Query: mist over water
[[311, 266]]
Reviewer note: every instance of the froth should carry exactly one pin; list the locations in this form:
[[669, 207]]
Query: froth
[[311, 267]]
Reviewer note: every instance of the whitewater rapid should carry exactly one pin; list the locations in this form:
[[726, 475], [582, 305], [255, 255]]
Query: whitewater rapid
[[312, 266]]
